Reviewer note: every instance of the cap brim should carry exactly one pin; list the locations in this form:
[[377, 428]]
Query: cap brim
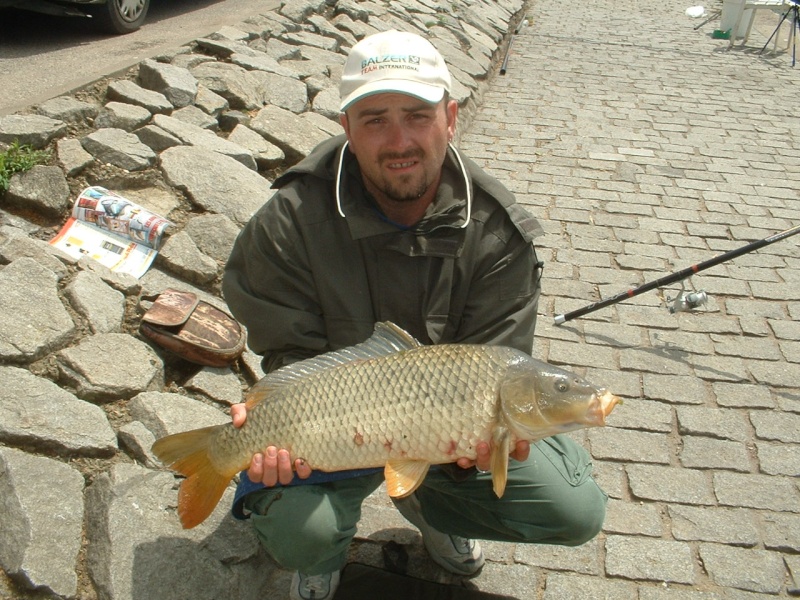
[[427, 93]]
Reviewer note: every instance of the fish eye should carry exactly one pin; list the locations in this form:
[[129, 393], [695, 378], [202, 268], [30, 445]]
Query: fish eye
[[562, 385]]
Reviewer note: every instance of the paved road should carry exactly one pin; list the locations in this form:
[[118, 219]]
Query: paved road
[[43, 56], [645, 146]]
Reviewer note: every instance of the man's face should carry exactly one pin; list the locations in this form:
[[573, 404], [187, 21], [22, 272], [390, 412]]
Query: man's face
[[400, 143]]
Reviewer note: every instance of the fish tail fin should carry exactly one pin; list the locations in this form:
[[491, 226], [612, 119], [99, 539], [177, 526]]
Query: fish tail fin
[[187, 453]]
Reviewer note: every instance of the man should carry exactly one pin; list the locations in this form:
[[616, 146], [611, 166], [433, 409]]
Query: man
[[391, 222]]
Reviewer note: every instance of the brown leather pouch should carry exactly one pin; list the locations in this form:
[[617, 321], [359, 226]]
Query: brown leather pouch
[[193, 329]]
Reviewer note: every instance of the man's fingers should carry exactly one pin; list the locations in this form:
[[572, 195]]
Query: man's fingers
[[256, 470], [238, 414], [302, 468], [285, 473]]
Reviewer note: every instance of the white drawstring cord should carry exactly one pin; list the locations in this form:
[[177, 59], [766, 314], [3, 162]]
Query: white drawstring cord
[[460, 166]]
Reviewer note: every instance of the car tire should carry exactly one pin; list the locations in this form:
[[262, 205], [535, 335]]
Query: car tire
[[120, 16]]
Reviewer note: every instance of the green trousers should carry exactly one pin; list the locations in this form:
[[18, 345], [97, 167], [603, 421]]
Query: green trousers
[[550, 498]]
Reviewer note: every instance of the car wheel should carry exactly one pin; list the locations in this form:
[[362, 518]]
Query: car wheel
[[120, 16]]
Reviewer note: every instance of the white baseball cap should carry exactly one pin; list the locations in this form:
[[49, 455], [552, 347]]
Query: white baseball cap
[[394, 61]]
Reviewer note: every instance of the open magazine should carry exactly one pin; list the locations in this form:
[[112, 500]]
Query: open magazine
[[112, 230]]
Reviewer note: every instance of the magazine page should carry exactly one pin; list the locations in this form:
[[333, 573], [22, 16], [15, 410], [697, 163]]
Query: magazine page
[[112, 230], [120, 216]]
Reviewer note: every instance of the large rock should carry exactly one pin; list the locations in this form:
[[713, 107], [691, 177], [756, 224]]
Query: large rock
[[216, 183], [33, 321], [137, 548], [41, 517], [36, 413], [111, 366]]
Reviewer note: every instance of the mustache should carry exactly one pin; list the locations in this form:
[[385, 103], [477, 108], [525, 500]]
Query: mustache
[[400, 156]]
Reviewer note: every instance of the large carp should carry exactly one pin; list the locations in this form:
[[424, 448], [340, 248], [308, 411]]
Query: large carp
[[389, 401]]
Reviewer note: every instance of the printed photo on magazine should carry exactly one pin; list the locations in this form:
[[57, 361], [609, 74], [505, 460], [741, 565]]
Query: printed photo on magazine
[[112, 230]]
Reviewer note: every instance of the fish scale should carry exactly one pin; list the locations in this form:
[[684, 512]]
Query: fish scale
[[348, 414]]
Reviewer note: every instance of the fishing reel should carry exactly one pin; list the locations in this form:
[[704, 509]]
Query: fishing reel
[[687, 301]]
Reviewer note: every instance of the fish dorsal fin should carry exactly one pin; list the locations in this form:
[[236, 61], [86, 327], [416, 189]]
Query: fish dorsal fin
[[404, 475], [386, 339]]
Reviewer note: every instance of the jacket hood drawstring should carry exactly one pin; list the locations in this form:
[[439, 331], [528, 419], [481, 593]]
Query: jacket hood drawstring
[[340, 170]]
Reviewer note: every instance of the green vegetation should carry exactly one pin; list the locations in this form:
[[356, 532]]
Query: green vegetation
[[18, 159]]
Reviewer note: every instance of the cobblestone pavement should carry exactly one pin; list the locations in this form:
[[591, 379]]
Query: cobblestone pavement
[[645, 146]]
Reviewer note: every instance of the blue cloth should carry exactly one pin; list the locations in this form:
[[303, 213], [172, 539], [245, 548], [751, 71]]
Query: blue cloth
[[246, 486]]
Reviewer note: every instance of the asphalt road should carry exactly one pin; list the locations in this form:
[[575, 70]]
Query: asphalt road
[[43, 56]]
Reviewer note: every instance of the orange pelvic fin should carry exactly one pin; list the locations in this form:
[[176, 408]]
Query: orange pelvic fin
[[403, 476], [200, 492]]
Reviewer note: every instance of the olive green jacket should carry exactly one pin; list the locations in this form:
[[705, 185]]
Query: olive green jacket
[[304, 279]]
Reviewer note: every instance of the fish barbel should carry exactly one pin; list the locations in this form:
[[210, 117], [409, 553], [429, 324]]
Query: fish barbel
[[389, 401]]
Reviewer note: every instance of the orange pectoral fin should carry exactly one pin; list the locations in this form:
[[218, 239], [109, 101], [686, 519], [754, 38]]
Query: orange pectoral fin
[[404, 476]]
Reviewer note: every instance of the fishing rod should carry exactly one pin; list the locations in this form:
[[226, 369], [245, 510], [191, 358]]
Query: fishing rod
[[683, 302]]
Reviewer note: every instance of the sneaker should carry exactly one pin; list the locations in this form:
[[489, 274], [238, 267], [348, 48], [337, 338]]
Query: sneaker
[[314, 587], [455, 554]]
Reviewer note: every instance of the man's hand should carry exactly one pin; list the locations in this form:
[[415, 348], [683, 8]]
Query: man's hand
[[483, 461], [274, 465]]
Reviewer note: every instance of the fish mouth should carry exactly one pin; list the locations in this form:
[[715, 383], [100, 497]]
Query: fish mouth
[[602, 405]]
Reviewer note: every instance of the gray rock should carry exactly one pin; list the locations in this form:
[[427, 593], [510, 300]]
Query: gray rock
[[213, 234], [32, 130], [299, 10], [72, 158], [284, 92], [39, 414], [327, 103], [156, 138], [207, 140], [232, 82], [261, 62], [21, 246], [102, 306], [267, 155], [210, 103], [197, 117], [43, 189], [122, 282], [324, 27], [291, 133], [132, 93], [132, 526], [307, 39], [215, 182], [138, 441], [225, 48], [33, 321], [181, 256], [68, 110], [121, 115], [36, 511], [177, 84], [110, 366], [166, 413], [221, 385], [119, 148]]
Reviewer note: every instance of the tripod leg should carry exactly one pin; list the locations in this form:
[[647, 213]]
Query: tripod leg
[[774, 33]]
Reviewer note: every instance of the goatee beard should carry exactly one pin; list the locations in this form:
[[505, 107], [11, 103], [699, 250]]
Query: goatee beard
[[404, 192]]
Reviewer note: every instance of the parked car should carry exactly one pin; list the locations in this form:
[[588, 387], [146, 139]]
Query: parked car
[[112, 16]]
